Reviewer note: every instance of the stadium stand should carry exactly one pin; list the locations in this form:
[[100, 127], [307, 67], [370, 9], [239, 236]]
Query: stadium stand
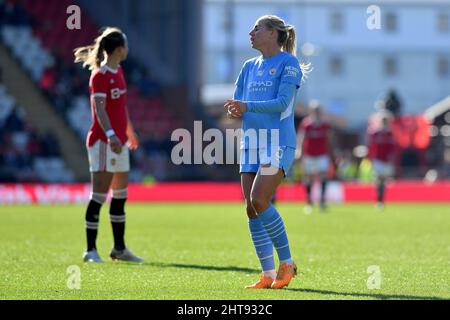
[[39, 39], [36, 35], [438, 155], [25, 156]]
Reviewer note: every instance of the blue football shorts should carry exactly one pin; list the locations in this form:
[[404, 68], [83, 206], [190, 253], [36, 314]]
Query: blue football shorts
[[279, 157]]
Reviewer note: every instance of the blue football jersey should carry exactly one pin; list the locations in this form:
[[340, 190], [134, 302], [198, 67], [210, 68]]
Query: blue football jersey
[[259, 84]]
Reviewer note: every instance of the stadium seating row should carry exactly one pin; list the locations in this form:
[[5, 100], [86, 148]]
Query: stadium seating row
[[23, 155], [43, 45], [27, 49], [6, 104]]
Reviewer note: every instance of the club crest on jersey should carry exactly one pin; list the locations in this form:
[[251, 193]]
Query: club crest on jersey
[[260, 73], [272, 71], [113, 162], [111, 81]]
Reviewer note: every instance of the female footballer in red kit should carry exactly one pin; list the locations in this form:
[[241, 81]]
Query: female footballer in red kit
[[108, 140]]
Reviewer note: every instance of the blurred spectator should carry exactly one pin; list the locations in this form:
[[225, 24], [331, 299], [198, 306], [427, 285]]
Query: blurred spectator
[[14, 122], [347, 166], [392, 103], [409, 162], [48, 79], [12, 14], [34, 144], [50, 145], [20, 145]]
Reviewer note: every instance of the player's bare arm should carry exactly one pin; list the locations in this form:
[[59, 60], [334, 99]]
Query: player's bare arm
[[103, 119], [298, 149], [133, 140]]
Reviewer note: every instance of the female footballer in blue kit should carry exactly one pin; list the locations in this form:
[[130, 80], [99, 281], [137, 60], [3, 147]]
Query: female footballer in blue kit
[[265, 95]]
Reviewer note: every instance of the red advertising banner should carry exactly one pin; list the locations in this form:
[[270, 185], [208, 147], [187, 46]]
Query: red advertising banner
[[221, 192]]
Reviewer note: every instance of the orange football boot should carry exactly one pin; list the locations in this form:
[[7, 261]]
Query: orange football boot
[[285, 275], [263, 283]]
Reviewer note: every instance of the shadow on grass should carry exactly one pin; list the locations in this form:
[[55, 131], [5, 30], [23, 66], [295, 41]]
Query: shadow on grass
[[305, 290], [366, 295], [199, 267]]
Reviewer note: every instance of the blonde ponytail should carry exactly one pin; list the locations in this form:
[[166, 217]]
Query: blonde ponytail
[[290, 44], [92, 56], [287, 39]]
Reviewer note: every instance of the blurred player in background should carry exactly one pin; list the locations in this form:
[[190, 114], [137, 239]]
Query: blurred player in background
[[265, 95], [108, 140], [381, 152], [314, 148]]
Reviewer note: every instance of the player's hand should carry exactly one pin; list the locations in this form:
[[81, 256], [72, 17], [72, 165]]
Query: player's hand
[[115, 144], [232, 114], [235, 108], [231, 110], [133, 141]]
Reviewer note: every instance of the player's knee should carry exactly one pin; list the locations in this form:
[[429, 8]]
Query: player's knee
[[101, 183], [260, 203], [100, 198]]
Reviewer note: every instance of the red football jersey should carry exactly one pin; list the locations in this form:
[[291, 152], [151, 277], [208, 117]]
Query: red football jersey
[[108, 83], [381, 145], [315, 137]]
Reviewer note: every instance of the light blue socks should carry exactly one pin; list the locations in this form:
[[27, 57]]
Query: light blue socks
[[274, 226], [262, 243]]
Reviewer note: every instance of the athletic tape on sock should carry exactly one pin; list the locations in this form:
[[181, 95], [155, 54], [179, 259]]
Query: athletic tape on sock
[[120, 193], [98, 197]]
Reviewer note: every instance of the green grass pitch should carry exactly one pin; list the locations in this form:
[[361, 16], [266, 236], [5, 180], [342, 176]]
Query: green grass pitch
[[204, 251]]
